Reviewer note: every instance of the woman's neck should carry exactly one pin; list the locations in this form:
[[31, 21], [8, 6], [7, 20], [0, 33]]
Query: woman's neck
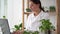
[[36, 12]]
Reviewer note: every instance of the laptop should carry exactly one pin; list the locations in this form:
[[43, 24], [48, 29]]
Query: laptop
[[4, 26]]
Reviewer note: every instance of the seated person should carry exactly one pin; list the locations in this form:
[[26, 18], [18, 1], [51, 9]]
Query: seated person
[[37, 14]]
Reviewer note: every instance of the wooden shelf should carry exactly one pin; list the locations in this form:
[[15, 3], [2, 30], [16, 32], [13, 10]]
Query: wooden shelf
[[27, 12]]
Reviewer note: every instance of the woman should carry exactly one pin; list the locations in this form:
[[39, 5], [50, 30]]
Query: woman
[[36, 15]]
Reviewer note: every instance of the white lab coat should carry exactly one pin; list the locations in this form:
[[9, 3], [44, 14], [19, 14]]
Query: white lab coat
[[33, 23]]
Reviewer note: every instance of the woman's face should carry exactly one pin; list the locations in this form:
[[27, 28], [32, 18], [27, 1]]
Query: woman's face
[[33, 6]]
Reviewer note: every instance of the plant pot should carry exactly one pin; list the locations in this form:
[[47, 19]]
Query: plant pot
[[17, 32], [28, 10], [47, 32]]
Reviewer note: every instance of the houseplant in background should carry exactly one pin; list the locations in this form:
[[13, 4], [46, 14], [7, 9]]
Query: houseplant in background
[[46, 26], [30, 32], [36, 32], [52, 8], [18, 29], [4, 17], [28, 10]]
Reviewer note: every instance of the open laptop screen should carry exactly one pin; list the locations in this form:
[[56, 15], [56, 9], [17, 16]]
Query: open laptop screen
[[4, 26]]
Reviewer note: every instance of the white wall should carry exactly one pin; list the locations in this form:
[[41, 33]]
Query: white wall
[[1, 8], [48, 3], [14, 13], [12, 9], [53, 18]]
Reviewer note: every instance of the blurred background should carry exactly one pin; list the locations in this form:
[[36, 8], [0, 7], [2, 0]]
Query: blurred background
[[12, 10]]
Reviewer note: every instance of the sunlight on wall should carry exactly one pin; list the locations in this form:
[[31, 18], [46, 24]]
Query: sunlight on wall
[[2, 8], [14, 13], [48, 3]]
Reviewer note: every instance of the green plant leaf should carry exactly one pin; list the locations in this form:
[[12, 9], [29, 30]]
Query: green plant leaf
[[20, 26], [4, 17], [36, 32], [28, 10], [16, 27], [52, 8], [25, 32], [46, 25]]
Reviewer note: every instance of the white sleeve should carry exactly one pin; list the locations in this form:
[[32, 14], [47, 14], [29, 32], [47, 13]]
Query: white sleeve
[[27, 22]]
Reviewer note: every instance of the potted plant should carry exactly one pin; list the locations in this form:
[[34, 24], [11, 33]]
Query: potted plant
[[30, 32], [46, 26], [52, 8], [26, 32], [18, 29], [4, 17], [36, 32], [28, 10]]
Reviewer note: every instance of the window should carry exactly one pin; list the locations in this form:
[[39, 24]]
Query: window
[[12, 9], [3, 8]]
